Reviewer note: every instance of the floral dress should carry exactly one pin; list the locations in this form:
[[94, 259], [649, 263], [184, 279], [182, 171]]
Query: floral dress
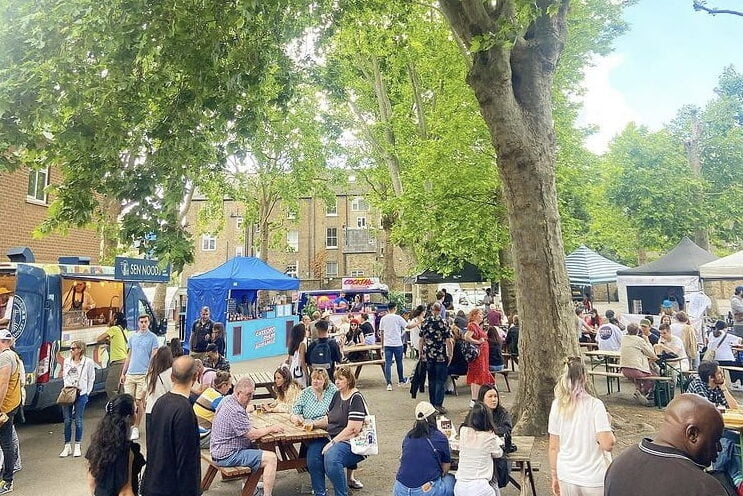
[[477, 370]]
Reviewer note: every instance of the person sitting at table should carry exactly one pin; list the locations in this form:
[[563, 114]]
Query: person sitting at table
[[425, 458], [488, 396], [324, 353], [584, 332], [344, 421], [581, 439], [670, 346], [213, 360], [367, 329], [647, 330], [608, 336], [722, 342], [207, 404], [287, 391], [77, 298], [478, 445], [233, 435], [634, 362], [495, 355]]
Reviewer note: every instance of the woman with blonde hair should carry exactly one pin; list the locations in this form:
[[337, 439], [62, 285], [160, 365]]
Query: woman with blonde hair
[[78, 371], [580, 436]]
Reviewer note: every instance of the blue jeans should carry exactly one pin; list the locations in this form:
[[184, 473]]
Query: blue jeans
[[75, 410], [389, 352], [443, 486], [333, 464], [437, 375]]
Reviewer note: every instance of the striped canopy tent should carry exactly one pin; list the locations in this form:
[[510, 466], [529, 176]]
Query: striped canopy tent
[[587, 268]]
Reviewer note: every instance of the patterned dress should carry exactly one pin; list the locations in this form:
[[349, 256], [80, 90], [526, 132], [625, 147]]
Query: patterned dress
[[477, 370]]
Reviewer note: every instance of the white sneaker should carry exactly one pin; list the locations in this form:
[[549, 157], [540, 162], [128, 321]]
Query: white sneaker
[[389, 387], [135, 434], [67, 451], [472, 403], [77, 452]]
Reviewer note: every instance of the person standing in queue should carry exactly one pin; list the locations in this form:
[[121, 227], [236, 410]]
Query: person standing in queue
[[173, 453], [117, 338], [10, 402], [78, 371], [201, 334], [142, 347]]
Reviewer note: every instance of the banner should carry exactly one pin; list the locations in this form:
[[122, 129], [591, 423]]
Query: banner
[[138, 269], [361, 283]]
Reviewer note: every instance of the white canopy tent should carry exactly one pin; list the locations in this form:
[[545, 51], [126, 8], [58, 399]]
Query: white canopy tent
[[730, 267]]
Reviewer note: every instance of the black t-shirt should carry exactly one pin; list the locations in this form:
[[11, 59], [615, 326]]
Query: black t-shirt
[[367, 328], [341, 411], [173, 453], [660, 471], [200, 330], [335, 353]]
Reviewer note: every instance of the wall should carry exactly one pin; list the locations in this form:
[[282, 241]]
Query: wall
[[20, 218]]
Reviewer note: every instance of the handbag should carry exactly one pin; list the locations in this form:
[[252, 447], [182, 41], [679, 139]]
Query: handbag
[[67, 396], [470, 351], [366, 443], [709, 355]]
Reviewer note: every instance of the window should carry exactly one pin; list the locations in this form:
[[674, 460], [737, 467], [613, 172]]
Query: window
[[239, 251], [331, 269], [37, 181], [208, 242], [292, 270], [292, 240], [331, 209], [291, 215], [357, 273], [331, 237], [239, 224], [359, 205], [361, 222]]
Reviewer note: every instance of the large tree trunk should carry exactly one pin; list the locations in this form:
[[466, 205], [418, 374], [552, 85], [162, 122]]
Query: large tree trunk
[[513, 87], [692, 145], [158, 300], [389, 274], [108, 230], [507, 285]]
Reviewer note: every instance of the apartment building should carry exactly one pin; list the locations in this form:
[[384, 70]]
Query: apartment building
[[25, 202], [319, 244]]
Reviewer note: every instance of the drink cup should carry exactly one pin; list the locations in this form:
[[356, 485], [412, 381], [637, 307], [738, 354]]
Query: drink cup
[[308, 425]]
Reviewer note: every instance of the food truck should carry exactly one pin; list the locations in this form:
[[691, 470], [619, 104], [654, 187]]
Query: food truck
[[55, 304], [357, 295]]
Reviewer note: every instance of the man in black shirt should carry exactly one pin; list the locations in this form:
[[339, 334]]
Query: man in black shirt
[[173, 458], [673, 463], [324, 352], [201, 333]]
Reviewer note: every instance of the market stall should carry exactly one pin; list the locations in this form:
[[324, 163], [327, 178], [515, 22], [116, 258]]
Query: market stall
[[586, 268], [231, 293]]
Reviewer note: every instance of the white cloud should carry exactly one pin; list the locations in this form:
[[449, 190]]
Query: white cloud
[[603, 105]]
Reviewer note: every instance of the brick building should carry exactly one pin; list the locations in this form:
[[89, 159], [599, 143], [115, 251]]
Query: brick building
[[319, 244], [24, 205]]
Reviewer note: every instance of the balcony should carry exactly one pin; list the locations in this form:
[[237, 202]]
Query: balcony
[[360, 241]]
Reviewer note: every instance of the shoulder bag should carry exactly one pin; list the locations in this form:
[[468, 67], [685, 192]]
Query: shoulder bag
[[366, 442], [709, 355], [68, 395]]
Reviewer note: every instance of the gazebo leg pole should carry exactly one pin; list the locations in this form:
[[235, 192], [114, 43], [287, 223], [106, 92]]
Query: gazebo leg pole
[[608, 296]]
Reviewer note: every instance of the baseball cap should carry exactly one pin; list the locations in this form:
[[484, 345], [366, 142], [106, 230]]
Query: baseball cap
[[5, 335], [738, 289], [423, 410], [211, 347], [667, 304], [4, 290], [609, 314], [645, 322]]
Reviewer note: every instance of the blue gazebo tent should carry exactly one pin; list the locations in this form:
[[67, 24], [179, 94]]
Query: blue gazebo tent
[[243, 276]]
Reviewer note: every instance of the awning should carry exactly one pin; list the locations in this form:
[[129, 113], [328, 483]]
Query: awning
[[468, 273], [586, 268]]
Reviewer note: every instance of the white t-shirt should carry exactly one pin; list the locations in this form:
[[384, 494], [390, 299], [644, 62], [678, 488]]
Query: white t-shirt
[[415, 334], [722, 345], [163, 385], [581, 461], [476, 452], [609, 337], [392, 326], [677, 329]]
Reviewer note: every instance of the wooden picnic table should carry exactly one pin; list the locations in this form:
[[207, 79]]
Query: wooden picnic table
[[375, 357], [283, 444], [521, 459], [262, 379]]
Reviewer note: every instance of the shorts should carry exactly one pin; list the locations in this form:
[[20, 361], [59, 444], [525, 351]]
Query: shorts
[[135, 385], [244, 458]]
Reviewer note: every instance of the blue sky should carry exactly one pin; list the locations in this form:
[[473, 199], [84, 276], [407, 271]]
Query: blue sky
[[671, 56]]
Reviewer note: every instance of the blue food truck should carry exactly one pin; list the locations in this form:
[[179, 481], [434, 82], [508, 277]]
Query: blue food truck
[[44, 319]]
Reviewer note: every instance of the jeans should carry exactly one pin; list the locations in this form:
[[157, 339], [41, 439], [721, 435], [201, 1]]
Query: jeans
[[437, 375], [443, 486], [75, 410], [389, 352], [6, 444], [333, 464]]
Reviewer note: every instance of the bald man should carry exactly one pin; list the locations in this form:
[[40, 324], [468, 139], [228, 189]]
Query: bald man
[[673, 463], [173, 452]]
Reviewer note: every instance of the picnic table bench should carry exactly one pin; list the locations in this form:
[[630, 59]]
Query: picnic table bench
[[375, 357], [263, 379]]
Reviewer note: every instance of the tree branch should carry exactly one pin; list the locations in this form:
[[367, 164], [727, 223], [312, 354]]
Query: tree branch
[[457, 38], [700, 5]]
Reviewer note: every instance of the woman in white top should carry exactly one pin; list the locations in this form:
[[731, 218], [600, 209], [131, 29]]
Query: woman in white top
[[722, 342], [416, 319], [478, 445], [78, 371], [158, 380], [297, 360], [580, 436]]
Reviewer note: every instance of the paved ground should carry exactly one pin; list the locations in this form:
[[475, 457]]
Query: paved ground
[[45, 474]]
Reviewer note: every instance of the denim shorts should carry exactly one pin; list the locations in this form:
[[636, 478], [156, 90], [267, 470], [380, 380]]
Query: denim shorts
[[243, 458]]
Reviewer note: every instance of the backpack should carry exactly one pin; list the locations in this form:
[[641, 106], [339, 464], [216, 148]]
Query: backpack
[[321, 355]]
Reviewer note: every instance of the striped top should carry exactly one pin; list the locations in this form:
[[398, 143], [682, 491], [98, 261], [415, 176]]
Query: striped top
[[341, 411], [309, 407], [205, 407]]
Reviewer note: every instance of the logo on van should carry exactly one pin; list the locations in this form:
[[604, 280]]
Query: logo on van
[[20, 317]]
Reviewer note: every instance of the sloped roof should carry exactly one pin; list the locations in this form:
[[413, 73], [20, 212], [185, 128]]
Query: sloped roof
[[243, 273], [468, 273], [684, 259], [730, 267], [586, 267]]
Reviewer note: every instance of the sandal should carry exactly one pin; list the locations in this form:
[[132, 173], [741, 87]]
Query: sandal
[[355, 484]]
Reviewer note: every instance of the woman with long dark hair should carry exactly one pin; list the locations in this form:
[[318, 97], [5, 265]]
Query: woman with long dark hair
[[425, 459], [478, 445], [158, 379], [297, 359], [488, 396], [495, 346], [287, 392], [114, 462], [416, 318]]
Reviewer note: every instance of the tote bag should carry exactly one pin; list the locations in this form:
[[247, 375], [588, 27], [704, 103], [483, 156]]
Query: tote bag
[[366, 442], [709, 355]]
